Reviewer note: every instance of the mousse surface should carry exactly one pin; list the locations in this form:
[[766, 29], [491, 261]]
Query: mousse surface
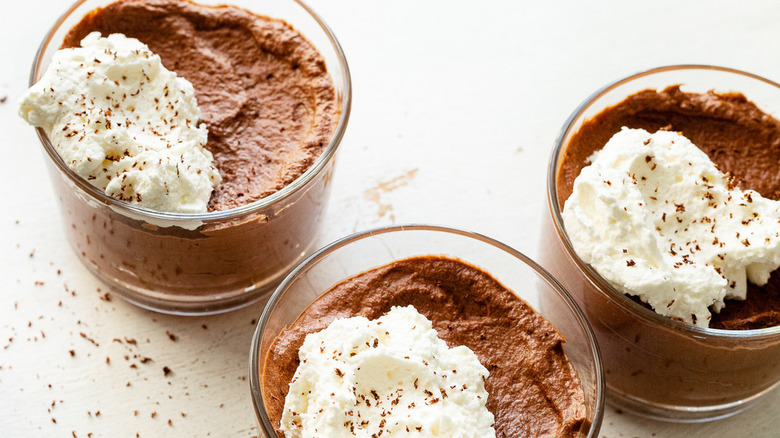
[[736, 135], [533, 388], [264, 92]]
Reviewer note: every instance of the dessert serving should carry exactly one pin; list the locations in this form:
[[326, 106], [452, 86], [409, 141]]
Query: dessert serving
[[404, 347], [265, 95], [653, 215], [665, 225], [741, 226], [192, 155], [386, 376], [126, 124]]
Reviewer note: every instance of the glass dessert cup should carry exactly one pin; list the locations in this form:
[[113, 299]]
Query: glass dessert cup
[[655, 366], [207, 262], [361, 252]]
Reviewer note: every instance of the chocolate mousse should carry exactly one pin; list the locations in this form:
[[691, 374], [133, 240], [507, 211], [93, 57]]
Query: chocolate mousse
[[736, 135], [264, 92], [533, 388], [272, 112]]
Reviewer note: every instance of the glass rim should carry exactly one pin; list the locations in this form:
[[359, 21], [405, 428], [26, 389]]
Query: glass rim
[[255, 367], [288, 190], [616, 296]]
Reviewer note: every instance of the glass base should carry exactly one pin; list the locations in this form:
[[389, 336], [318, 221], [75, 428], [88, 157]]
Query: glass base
[[183, 305], [681, 414], [193, 305], [180, 308]]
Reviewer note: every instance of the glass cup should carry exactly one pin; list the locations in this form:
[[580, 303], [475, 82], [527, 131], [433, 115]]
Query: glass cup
[[207, 262], [361, 252], [655, 366]]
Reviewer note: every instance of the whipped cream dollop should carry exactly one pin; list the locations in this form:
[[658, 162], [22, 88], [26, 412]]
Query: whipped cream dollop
[[391, 376], [125, 123], [654, 216]]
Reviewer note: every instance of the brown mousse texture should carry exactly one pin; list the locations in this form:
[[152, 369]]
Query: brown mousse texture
[[263, 89], [533, 388], [737, 136]]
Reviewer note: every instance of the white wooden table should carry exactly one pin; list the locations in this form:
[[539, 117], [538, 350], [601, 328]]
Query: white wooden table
[[456, 107]]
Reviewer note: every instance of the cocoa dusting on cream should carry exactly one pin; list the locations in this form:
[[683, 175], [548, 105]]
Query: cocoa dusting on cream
[[263, 89], [736, 135], [533, 388]]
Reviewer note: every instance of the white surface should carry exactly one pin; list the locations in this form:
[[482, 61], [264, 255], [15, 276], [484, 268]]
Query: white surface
[[456, 107]]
